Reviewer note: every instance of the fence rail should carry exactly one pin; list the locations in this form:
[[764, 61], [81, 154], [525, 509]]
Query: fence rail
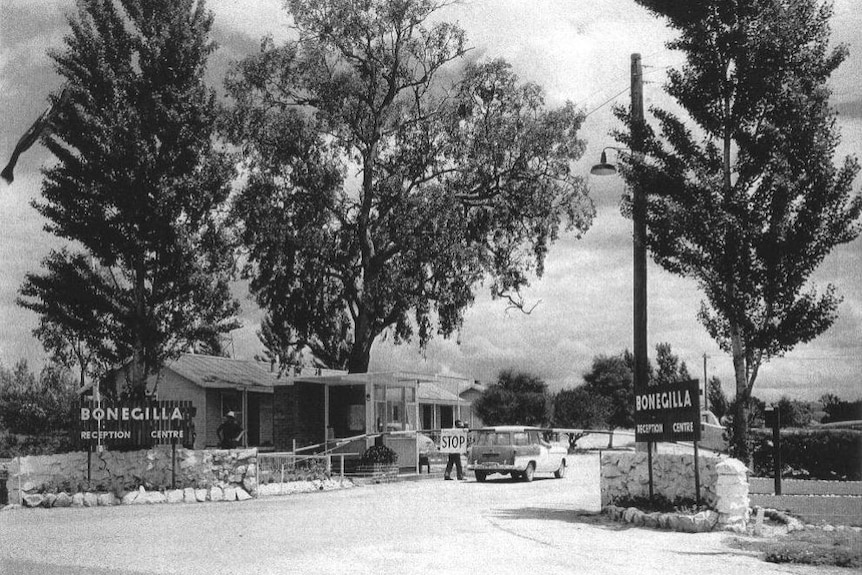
[[288, 467]]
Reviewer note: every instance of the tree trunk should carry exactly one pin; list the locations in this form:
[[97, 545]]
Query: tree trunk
[[739, 440], [139, 375], [363, 337]]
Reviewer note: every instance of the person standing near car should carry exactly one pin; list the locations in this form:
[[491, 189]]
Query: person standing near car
[[455, 459]]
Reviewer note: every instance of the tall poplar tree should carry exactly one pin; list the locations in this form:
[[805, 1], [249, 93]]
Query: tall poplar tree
[[384, 183], [747, 201], [138, 189]]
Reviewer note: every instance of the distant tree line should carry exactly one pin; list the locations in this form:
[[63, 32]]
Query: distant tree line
[[606, 398]]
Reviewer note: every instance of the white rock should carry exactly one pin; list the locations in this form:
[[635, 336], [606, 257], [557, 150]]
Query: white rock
[[731, 467], [189, 495], [78, 500], [230, 493], [200, 495], [246, 454], [33, 500], [129, 498], [630, 513], [63, 500], [611, 471], [155, 497], [174, 496], [106, 499], [242, 494], [216, 494]]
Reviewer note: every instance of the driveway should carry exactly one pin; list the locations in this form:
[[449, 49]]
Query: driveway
[[424, 527]]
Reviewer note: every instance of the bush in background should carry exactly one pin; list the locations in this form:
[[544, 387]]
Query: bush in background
[[36, 414], [829, 454]]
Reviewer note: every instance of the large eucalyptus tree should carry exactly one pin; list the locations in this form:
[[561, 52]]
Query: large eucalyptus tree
[[387, 175]]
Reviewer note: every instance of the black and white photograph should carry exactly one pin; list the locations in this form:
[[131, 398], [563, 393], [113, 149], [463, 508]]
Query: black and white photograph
[[430, 286]]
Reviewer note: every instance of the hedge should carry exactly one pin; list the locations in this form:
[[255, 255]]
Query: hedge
[[830, 454]]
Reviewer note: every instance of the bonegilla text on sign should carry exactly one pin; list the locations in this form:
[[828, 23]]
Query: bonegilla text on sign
[[666, 400], [131, 413]]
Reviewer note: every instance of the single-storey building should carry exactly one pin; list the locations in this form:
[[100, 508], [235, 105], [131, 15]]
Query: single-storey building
[[310, 406]]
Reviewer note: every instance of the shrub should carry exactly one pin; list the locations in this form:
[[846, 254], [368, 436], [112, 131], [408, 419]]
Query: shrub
[[834, 454], [13, 445], [379, 454]]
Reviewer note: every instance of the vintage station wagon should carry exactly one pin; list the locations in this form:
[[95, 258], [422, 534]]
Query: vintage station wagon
[[517, 451]]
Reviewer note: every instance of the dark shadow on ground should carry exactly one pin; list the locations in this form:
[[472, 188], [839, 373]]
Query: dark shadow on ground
[[27, 567], [506, 479], [565, 515]]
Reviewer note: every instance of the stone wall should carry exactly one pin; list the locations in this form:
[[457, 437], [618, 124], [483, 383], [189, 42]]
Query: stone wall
[[120, 473], [723, 482]]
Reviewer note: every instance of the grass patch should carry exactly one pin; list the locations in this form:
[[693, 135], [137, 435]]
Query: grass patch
[[811, 547]]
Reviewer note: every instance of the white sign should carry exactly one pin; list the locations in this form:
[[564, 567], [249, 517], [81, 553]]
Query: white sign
[[453, 441]]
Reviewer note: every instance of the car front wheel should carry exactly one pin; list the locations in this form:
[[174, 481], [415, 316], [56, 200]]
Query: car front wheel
[[561, 472], [481, 476], [528, 473]]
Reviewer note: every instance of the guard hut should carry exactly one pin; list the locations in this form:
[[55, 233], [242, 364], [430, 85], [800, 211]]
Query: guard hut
[[355, 410]]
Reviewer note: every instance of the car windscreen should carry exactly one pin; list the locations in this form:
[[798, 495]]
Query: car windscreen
[[487, 438]]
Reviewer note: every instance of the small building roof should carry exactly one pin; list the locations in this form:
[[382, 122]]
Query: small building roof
[[223, 372], [432, 393]]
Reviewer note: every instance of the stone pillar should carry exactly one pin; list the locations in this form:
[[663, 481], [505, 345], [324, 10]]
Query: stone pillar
[[732, 495]]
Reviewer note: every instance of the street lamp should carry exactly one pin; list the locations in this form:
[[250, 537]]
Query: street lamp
[[603, 168]]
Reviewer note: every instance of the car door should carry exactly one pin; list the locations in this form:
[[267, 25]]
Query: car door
[[541, 450]]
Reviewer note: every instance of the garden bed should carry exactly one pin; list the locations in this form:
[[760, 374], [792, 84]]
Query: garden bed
[[686, 522]]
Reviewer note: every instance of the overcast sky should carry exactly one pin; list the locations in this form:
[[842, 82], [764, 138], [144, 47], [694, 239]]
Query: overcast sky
[[578, 51]]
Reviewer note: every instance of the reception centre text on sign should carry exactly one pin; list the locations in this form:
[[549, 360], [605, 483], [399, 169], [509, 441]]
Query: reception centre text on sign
[[669, 412]]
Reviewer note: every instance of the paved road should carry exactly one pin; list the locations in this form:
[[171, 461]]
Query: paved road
[[424, 527]]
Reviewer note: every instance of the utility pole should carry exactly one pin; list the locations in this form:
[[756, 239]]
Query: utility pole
[[639, 232], [640, 376], [705, 385]]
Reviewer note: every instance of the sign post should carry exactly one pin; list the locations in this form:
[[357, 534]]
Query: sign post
[[773, 419]]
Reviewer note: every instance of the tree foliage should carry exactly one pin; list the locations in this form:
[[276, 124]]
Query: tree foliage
[[670, 369], [610, 377], [384, 182], [581, 408], [36, 406], [750, 202], [839, 410], [793, 413], [718, 403], [138, 187], [517, 398]]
